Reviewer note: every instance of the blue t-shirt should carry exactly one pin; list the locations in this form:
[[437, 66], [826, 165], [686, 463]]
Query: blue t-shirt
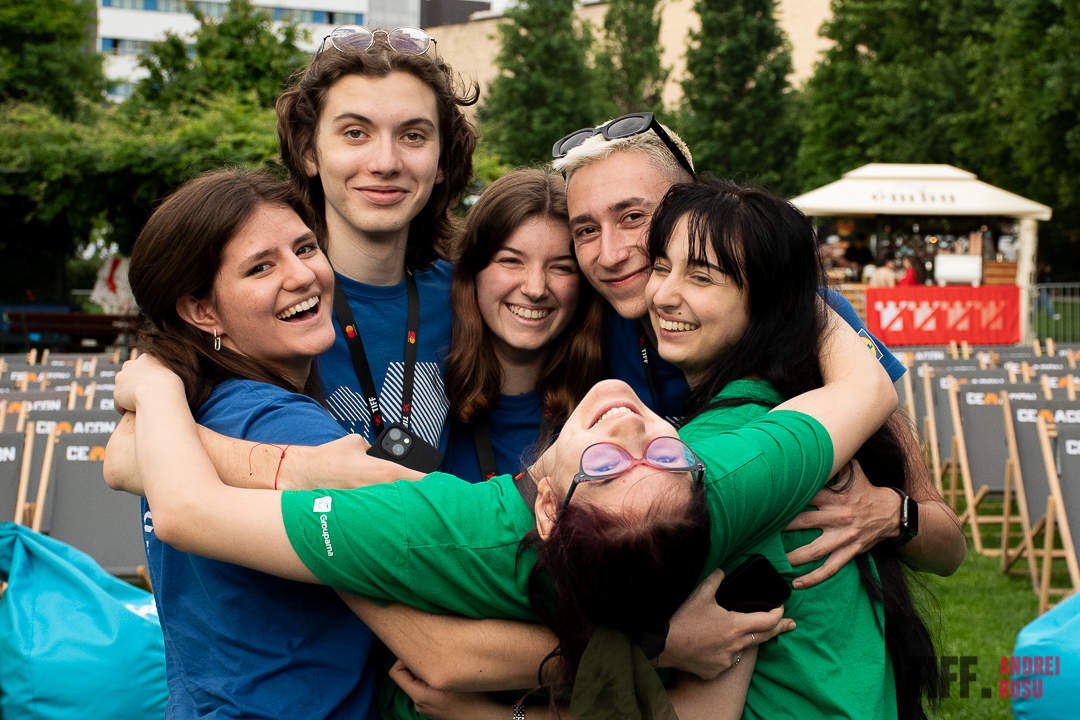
[[243, 644], [843, 308], [513, 425], [623, 359], [382, 312]]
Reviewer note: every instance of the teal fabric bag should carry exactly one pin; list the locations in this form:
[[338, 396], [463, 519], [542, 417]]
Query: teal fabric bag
[[75, 642]]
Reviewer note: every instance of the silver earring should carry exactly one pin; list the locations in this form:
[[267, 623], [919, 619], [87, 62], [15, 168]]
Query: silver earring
[[217, 340]]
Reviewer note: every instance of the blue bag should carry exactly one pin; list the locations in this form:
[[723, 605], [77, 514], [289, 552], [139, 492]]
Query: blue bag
[[75, 642], [1047, 690]]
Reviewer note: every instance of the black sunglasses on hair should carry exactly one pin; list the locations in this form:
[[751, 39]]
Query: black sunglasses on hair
[[622, 127]]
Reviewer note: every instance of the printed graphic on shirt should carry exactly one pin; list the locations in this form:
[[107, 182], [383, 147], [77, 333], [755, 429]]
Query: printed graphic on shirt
[[429, 405], [869, 340]]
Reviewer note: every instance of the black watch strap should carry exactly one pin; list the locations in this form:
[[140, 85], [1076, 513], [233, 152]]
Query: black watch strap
[[909, 519]]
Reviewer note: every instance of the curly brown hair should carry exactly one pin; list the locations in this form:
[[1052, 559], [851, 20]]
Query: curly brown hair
[[300, 106]]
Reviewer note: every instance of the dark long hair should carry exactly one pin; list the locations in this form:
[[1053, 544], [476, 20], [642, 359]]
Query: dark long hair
[[627, 572], [473, 373], [768, 247], [300, 106], [179, 252]]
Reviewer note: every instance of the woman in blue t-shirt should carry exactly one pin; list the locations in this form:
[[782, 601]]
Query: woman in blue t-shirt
[[527, 327], [236, 289]]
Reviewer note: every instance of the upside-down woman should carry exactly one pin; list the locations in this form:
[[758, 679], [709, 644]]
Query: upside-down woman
[[446, 546]]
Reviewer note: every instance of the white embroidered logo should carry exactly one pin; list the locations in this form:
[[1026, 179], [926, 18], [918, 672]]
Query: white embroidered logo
[[322, 504]]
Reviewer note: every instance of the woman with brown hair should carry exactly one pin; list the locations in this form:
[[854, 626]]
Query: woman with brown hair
[[234, 286], [526, 332]]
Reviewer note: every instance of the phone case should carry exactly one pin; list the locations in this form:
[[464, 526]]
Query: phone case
[[754, 586], [397, 444]]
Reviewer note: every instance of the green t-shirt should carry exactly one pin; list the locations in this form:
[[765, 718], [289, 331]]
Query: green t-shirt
[[439, 544], [444, 545], [834, 665]]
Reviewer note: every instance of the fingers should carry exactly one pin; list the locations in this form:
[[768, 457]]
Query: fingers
[[403, 676], [712, 582], [758, 623], [826, 544], [782, 625], [830, 567]]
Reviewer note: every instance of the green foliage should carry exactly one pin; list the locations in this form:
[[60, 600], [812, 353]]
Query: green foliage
[[1028, 84], [46, 56], [628, 63], [487, 168], [237, 53], [62, 179], [737, 114], [991, 86], [545, 88], [892, 86]]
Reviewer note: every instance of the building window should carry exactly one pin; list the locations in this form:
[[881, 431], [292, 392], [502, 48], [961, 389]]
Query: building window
[[120, 91], [218, 9], [116, 46]]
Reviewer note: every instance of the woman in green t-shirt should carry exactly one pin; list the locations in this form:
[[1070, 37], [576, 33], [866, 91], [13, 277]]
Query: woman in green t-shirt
[[734, 300]]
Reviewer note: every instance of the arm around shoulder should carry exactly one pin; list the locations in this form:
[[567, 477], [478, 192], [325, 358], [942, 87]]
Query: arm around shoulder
[[857, 396]]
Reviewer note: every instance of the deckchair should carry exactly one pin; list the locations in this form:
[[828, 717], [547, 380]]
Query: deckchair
[[975, 415], [82, 511], [1063, 504], [1026, 482]]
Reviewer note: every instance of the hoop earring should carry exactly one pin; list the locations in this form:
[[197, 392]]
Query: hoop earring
[[217, 340]]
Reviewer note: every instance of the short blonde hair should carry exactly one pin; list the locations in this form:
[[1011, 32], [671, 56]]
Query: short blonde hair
[[648, 143]]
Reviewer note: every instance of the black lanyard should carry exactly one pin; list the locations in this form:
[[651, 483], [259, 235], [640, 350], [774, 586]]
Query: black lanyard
[[359, 357], [643, 347], [485, 450]]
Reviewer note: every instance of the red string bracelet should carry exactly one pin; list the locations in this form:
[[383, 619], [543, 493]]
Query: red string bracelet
[[280, 460]]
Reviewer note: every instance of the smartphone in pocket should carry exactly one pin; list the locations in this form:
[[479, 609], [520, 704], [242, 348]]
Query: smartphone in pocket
[[754, 586]]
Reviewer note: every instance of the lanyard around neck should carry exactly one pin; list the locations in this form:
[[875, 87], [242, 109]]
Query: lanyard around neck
[[485, 449], [359, 357], [643, 347]]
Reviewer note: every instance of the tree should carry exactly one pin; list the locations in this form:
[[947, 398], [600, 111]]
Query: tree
[[46, 54], [737, 113], [895, 87], [991, 86], [545, 88], [1028, 83], [237, 53], [64, 180], [628, 64]]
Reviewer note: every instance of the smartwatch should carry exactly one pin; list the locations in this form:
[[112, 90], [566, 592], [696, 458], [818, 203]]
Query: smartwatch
[[909, 520]]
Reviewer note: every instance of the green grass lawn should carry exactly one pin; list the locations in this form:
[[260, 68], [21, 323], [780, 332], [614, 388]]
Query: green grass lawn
[[981, 611]]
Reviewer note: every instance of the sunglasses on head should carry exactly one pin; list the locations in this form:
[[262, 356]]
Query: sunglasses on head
[[357, 38], [603, 461], [622, 127]]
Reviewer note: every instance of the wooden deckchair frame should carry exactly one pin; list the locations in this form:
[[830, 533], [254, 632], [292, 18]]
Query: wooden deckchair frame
[[970, 516], [930, 429], [1055, 515], [1014, 486], [24, 476], [909, 391]]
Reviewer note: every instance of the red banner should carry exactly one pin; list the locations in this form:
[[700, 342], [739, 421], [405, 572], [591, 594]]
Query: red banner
[[988, 315]]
